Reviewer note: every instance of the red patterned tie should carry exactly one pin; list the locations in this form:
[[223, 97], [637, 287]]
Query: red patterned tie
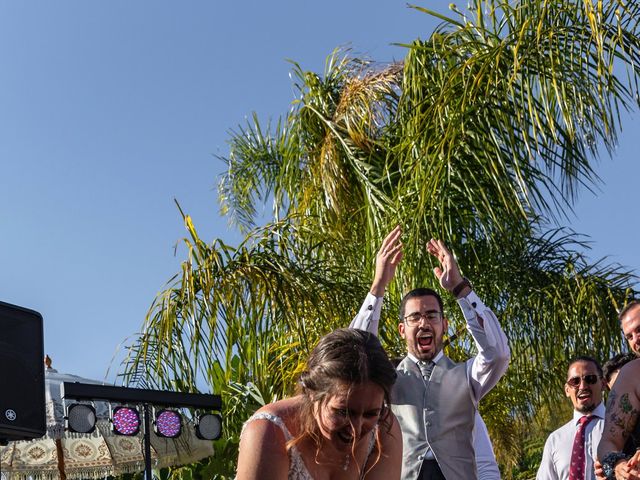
[[576, 471]]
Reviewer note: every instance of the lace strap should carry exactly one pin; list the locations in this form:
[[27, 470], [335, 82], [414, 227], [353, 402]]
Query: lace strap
[[272, 418], [372, 444], [297, 468]]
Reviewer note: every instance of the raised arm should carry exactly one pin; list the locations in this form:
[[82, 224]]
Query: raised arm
[[623, 414], [448, 273], [493, 356], [387, 260]]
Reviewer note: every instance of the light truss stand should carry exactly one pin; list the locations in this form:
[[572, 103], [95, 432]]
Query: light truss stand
[[87, 391]]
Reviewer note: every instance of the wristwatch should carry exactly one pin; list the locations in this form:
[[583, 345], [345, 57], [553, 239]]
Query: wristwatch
[[609, 463], [459, 287]]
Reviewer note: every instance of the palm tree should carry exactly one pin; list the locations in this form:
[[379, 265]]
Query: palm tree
[[483, 137]]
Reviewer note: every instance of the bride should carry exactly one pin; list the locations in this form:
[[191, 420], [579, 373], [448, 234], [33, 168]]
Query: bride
[[337, 426]]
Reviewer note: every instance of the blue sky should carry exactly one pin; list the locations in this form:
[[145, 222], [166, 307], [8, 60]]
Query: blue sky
[[110, 110]]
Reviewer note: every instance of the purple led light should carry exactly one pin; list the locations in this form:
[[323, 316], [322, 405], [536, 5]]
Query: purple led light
[[126, 420], [168, 423]]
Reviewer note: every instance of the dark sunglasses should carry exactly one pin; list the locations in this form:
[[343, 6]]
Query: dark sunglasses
[[589, 379]]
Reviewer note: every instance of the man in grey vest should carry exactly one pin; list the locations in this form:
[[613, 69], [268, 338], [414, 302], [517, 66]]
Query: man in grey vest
[[434, 398]]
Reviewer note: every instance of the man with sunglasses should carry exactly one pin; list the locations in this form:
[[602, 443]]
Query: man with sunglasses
[[570, 451], [434, 398]]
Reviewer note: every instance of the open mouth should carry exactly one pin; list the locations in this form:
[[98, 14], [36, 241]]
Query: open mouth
[[345, 437], [425, 340], [584, 395]]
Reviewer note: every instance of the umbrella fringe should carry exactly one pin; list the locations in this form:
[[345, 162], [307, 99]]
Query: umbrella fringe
[[55, 431], [96, 455], [74, 474]]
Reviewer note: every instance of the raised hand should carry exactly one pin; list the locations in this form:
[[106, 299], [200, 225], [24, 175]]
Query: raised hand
[[448, 273], [387, 260]]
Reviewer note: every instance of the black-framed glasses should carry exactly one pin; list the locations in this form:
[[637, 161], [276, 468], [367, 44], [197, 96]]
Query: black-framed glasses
[[574, 382], [432, 317]]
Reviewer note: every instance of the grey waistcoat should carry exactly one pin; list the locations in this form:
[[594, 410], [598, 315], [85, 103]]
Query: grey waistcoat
[[440, 414]]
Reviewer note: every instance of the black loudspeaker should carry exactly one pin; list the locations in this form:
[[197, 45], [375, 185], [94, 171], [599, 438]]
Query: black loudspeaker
[[22, 395]]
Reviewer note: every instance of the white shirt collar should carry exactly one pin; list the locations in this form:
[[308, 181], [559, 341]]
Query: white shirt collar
[[435, 359], [599, 411]]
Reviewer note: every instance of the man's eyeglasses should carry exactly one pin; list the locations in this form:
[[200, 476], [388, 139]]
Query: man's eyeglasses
[[415, 318], [574, 382]]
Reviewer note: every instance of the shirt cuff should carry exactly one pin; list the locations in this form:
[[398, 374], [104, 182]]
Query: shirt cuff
[[372, 304], [369, 315], [472, 306]]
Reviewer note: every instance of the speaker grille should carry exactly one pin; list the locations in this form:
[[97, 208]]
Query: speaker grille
[[22, 402]]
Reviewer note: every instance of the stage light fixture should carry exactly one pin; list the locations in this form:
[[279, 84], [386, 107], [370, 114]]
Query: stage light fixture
[[168, 423], [209, 426], [81, 418], [125, 421]]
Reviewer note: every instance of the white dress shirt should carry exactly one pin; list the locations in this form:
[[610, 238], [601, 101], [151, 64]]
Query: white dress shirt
[[485, 458], [492, 360], [485, 369], [556, 457]]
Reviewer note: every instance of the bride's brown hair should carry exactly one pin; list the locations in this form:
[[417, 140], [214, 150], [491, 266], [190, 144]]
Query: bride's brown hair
[[349, 357]]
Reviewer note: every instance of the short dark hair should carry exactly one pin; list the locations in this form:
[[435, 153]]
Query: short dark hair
[[615, 363], [629, 306], [585, 358], [419, 292]]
